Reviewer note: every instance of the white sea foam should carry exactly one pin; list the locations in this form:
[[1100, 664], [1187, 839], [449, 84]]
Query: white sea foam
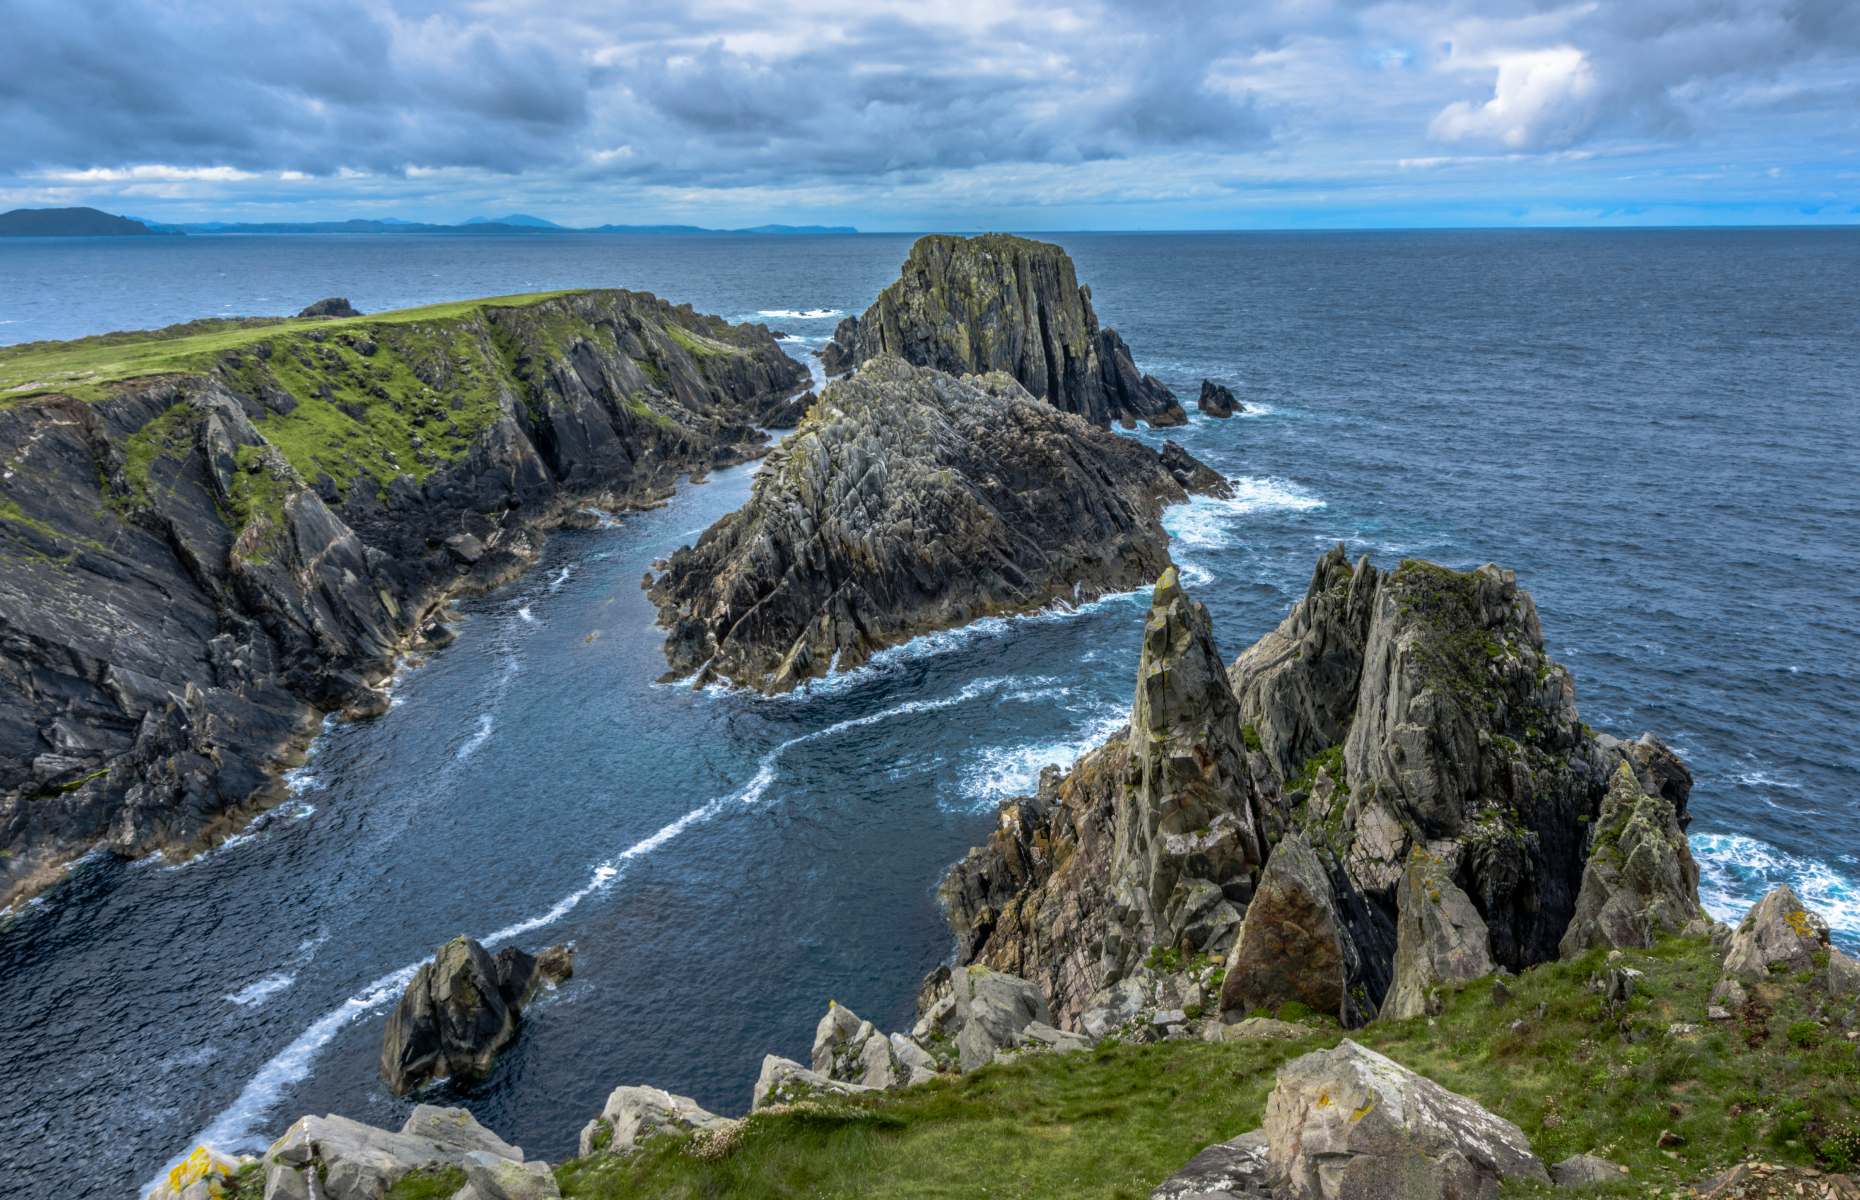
[[523, 611], [561, 577], [802, 314], [1208, 522], [1765, 780], [1735, 870], [1000, 772], [256, 993], [486, 723]]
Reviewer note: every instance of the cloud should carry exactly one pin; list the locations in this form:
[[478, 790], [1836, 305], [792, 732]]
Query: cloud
[[1542, 98]]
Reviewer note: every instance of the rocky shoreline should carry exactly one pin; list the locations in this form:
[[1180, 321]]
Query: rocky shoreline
[[204, 559]]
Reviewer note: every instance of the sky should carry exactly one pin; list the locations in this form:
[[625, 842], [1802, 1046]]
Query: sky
[[939, 114]]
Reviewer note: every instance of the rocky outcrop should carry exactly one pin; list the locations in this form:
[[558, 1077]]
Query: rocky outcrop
[[199, 565], [1440, 938], [910, 500], [1781, 934], [1194, 475], [1001, 303], [784, 1081], [1640, 882], [633, 1114], [335, 1158], [333, 306], [1402, 742], [853, 1050], [1217, 400], [461, 1009], [1351, 1124]]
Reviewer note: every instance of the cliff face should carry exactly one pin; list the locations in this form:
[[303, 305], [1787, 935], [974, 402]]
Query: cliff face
[[1399, 727], [911, 500], [1001, 303], [203, 557]]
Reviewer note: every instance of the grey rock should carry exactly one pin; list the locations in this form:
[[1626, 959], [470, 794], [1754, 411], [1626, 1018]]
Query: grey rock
[[1291, 943], [633, 1114], [1617, 984], [1217, 400], [1586, 1170], [489, 1177], [1001, 303], [1194, 475], [1351, 1124], [907, 501], [335, 1158], [1440, 937], [993, 1011], [1640, 882], [1778, 933], [1259, 1029], [784, 1081], [1236, 1170]]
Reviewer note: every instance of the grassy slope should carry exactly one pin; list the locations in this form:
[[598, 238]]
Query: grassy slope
[[81, 368], [1114, 1121]]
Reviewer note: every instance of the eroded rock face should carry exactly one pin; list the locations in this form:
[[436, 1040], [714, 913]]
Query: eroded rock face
[[1640, 882], [183, 601], [1236, 1170], [1292, 943], [1000, 303], [1351, 1124], [784, 1081], [1439, 936], [1217, 400], [907, 501], [460, 1010]]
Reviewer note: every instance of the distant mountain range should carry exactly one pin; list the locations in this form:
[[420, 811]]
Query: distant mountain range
[[89, 222]]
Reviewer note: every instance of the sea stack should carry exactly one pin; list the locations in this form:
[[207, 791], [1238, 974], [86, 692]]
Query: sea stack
[[1002, 303]]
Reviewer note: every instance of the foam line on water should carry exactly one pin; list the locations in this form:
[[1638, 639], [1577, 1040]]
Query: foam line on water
[[800, 314], [1000, 772], [236, 1128], [257, 992], [1735, 870], [1208, 521], [486, 723]]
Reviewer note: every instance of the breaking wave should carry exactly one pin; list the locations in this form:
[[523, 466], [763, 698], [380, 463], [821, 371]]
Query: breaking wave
[[798, 314], [1735, 870]]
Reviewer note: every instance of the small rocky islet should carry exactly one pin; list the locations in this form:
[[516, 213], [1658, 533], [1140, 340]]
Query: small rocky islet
[[1367, 911]]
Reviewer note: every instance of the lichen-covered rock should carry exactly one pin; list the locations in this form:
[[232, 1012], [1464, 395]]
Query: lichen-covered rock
[[1217, 400], [1292, 942], [1236, 1170], [1439, 936], [908, 501], [853, 1050], [633, 1114], [1001, 303], [202, 1175], [1640, 882], [1351, 1124], [784, 1081], [993, 1012], [335, 1158], [491, 1177], [203, 564], [460, 1010], [1779, 933]]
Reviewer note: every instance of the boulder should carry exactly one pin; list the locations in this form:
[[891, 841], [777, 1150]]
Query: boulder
[[970, 306], [1778, 933], [907, 501], [633, 1114], [852, 1050], [460, 1010], [1640, 882], [784, 1081], [1218, 401], [335, 1158], [1259, 1029], [490, 1177], [1291, 943], [993, 1012], [202, 1175], [1585, 1171], [1439, 937], [1194, 475], [1350, 1124], [1236, 1170], [333, 306]]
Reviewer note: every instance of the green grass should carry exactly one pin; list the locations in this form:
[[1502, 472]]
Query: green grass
[[83, 368], [433, 1183], [1116, 1120]]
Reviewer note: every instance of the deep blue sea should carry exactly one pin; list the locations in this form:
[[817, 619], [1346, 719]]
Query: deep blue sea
[[1660, 431]]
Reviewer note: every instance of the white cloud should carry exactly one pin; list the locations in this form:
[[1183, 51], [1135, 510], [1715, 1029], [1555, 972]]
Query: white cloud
[[1542, 98]]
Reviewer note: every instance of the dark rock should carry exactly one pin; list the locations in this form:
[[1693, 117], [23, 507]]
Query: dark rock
[[1218, 401], [1193, 474], [182, 606], [1291, 944], [1001, 303], [460, 1010], [908, 501], [1235, 1170], [334, 306]]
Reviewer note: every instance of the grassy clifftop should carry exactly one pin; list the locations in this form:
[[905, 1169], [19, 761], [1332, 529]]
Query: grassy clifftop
[[1779, 1080]]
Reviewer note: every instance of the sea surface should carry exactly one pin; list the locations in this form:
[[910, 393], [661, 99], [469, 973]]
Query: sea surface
[[1660, 431]]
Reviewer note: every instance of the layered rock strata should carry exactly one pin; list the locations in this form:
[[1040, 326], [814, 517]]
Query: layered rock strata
[[202, 561], [911, 500], [1390, 791], [1001, 303]]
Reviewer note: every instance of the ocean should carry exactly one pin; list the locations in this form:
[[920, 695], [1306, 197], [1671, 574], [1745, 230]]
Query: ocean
[[1659, 430]]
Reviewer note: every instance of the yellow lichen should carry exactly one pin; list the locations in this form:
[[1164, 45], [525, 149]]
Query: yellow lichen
[[1323, 1100], [1798, 921], [1362, 1112], [199, 1165]]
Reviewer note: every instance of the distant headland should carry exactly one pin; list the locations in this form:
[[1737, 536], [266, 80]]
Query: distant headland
[[91, 222]]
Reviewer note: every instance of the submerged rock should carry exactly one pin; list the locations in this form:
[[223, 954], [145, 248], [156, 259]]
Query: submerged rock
[[1001, 303], [1218, 401], [1351, 1124], [908, 501], [1640, 882], [460, 1010]]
